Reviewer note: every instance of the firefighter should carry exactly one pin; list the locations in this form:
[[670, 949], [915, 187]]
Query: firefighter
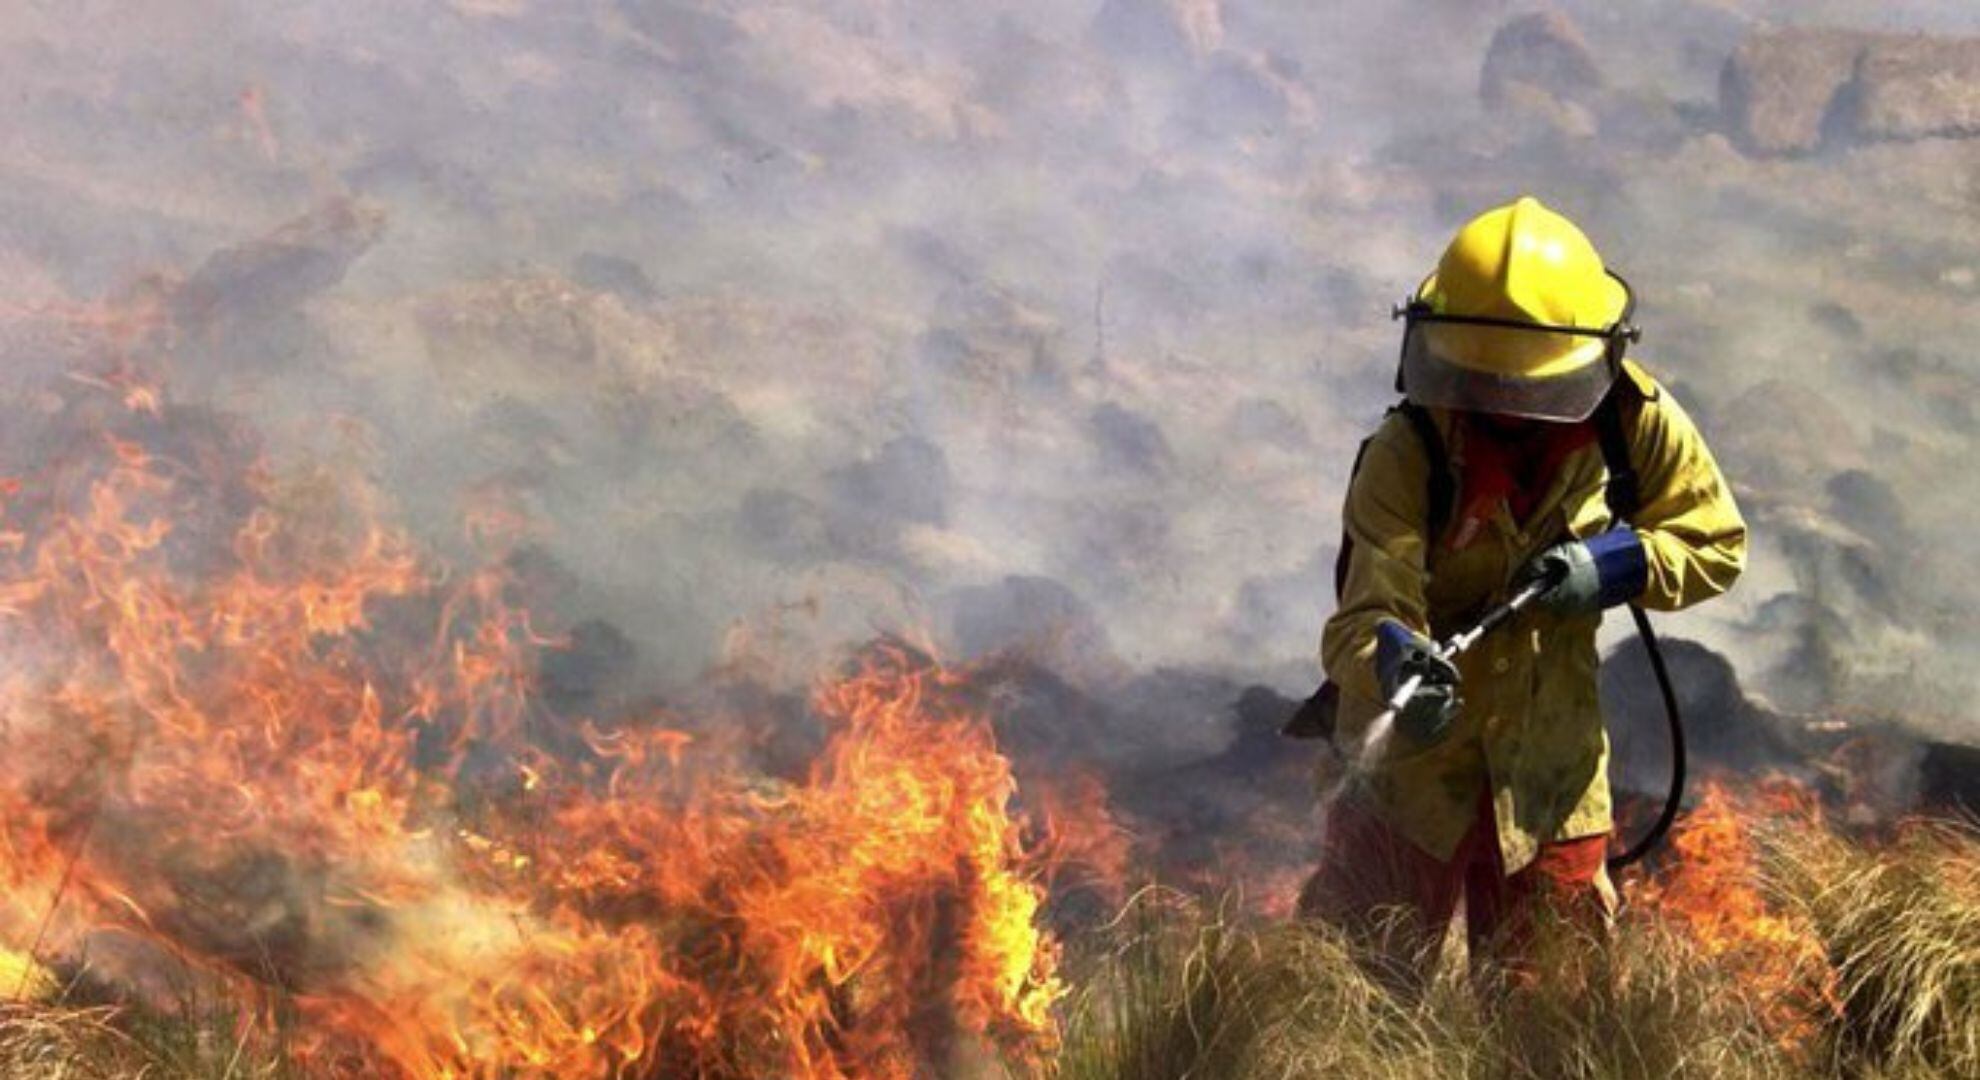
[[1527, 448]]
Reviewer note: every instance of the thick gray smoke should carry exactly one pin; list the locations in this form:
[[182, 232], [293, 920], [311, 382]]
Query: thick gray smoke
[[1015, 323]]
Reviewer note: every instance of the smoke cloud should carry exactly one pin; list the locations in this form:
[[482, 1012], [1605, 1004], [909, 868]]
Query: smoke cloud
[[1012, 325]]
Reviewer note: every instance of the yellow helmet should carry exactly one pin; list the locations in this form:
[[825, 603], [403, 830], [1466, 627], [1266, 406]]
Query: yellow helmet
[[1521, 318]]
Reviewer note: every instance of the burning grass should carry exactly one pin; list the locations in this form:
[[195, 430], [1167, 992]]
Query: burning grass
[[258, 748], [280, 799], [1767, 946], [1176, 987]]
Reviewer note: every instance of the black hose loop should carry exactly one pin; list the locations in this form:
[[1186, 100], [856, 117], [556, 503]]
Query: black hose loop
[[1675, 799]]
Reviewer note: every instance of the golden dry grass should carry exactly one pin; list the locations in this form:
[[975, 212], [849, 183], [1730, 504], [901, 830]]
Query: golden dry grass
[[1901, 928], [1182, 991], [1186, 993], [58, 1041]]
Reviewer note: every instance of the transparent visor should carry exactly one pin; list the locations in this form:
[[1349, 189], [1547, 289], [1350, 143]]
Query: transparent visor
[[1448, 366]]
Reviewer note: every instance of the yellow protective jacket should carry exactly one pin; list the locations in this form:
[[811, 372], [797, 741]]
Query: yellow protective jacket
[[1531, 724]]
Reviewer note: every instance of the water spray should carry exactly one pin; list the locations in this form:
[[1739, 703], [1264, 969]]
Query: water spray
[[1463, 640], [1309, 721]]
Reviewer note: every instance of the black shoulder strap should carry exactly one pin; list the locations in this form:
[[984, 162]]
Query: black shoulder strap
[[1346, 551], [1442, 484], [1625, 492]]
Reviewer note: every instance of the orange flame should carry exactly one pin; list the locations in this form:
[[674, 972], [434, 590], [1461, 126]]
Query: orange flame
[[295, 762], [1712, 891]]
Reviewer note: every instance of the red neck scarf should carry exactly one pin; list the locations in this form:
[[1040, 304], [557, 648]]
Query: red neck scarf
[[1516, 470]]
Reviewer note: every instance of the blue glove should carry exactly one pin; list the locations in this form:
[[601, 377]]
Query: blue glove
[[1401, 653], [1591, 575]]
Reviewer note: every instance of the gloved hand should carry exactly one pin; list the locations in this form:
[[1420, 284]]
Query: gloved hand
[[1593, 574], [1400, 653]]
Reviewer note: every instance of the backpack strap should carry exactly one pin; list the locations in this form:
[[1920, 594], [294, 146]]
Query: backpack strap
[[1441, 490], [1625, 491], [1346, 551], [1442, 484]]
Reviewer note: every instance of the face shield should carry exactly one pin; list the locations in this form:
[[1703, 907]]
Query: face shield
[[1510, 368]]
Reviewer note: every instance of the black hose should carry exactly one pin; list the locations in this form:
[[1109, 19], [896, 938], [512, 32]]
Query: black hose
[[1675, 798]]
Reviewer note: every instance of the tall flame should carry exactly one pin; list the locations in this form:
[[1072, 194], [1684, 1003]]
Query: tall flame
[[1712, 890], [253, 740]]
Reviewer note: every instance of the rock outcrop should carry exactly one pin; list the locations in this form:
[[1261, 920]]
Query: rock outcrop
[[1918, 87], [1778, 90], [1540, 65], [276, 272], [1790, 91]]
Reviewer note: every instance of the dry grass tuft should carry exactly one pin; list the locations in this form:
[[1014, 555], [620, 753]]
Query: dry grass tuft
[[1187, 993], [70, 1042], [1646, 1002], [1184, 991], [1901, 927], [40, 1042]]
